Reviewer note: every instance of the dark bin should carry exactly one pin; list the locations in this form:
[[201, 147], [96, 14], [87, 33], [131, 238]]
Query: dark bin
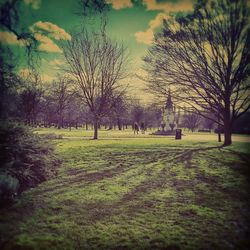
[[178, 134]]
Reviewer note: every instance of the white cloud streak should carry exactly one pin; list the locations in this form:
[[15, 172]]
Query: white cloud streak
[[10, 38], [166, 8], [148, 35], [53, 30], [46, 44], [45, 32], [120, 4]]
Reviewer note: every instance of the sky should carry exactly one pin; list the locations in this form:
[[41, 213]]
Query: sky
[[131, 22]]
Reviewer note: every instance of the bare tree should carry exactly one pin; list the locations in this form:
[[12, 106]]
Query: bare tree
[[61, 95], [30, 98], [137, 113], [88, 8], [192, 121], [96, 66], [204, 59]]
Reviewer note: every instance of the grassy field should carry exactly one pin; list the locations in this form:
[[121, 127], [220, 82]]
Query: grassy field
[[136, 192]]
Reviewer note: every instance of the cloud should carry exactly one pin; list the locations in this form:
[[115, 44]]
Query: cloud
[[167, 7], [145, 36], [120, 4], [155, 23], [53, 30], [10, 38], [148, 35], [46, 44], [35, 4], [45, 32], [26, 73]]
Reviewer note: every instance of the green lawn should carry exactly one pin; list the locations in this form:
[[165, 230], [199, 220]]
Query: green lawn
[[135, 192]]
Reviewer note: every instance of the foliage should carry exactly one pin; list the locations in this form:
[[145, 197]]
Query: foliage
[[30, 98], [26, 159], [8, 187], [51, 136]]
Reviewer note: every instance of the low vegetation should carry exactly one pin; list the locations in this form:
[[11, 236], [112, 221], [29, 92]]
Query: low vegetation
[[26, 160], [136, 193]]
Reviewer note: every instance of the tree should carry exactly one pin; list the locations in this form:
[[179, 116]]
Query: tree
[[191, 121], [204, 58], [30, 98], [9, 22], [8, 82], [137, 113], [153, 115], [208, 123], [118, 113], [61, 95], [96, 66], [26, 159], [92, 7]]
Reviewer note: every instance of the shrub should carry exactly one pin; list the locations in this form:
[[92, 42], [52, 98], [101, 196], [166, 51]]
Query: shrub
[[52, 136], [26, 159], [8, 186]]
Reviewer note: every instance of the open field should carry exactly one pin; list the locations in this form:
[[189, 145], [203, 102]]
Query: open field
[[136, 192], [128, 133]]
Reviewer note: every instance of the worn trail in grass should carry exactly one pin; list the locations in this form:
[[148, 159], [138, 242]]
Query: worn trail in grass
[[136, 194]]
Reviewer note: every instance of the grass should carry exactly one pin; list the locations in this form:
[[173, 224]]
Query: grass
[[141, 192]]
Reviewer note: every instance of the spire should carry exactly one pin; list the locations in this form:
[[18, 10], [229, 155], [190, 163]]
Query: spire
[[169, 103]]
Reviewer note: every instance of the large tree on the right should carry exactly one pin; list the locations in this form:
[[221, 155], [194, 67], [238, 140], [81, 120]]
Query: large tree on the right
[[204, 59]]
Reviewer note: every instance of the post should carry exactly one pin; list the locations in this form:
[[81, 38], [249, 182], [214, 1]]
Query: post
[[178, 134]]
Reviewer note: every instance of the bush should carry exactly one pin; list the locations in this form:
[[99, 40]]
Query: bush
[[26, 159], [8, 187], [52, 136]]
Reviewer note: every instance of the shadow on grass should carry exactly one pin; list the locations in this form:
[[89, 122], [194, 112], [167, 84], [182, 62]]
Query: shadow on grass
[[187, 203]]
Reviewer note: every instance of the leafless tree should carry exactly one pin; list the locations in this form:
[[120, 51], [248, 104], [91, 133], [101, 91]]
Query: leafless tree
[[92, 7], [204, 59], [30, 98], [118, 113], [192, 121], [61, 95], [96, 66]]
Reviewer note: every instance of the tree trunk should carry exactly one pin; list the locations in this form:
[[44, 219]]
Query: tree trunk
[[95, 129], [219, 135], [227, 134], [119, 124], [219, 129], [227, 125]]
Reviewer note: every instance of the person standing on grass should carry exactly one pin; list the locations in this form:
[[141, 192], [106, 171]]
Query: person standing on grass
[[142, 127], [136, 128]]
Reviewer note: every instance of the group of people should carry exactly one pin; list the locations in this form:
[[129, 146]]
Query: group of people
[[136, 128]]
